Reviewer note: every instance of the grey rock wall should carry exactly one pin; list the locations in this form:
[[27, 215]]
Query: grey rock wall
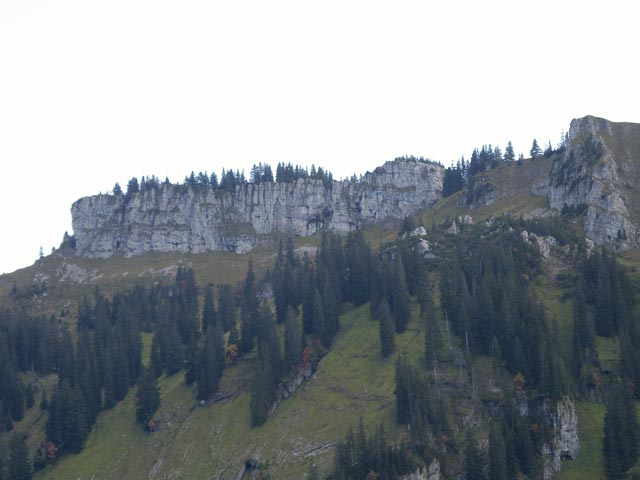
[[177, 218], [595, 186]]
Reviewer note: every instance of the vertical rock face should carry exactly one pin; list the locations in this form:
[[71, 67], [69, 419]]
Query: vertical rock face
[[596, 174], [565, 444], [178, 218], [432, 472]]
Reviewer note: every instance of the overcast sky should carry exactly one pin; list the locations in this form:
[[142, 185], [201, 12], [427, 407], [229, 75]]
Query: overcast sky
[[97, 92]]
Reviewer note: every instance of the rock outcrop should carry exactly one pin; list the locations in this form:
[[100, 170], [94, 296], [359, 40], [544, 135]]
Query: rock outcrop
[[595, 174], [180, 218], [564, 444], [431, 472]]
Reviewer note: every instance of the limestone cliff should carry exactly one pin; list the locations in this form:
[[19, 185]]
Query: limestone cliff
[[565, 443], [179, 218], [597, 173]]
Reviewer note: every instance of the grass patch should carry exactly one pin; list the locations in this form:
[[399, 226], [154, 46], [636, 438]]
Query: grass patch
[[147, 339], [608, 352]]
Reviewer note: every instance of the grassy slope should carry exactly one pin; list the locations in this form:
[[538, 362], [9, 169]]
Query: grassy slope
[[513, 191], [196, 442], [68, 277]]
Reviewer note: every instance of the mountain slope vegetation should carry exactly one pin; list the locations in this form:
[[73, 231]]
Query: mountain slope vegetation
[[484, 338]]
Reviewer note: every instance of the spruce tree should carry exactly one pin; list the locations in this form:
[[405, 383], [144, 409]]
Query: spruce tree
[[19, 465], [147, 398], [208, 309], [226, 308], [583, 338], [292, 341], [474, 460], [319, 323], [509, 153], [248, 312], [621, 432], [44, 403], [387, 340], [331, 306], [211, 363], [173, 354], [497, 453], [30, 397], [400, 301], [279, 286], [308, 288], [263, 389], [535, 149]]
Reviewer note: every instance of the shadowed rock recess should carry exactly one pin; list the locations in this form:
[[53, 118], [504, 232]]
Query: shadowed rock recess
[[177, 218]]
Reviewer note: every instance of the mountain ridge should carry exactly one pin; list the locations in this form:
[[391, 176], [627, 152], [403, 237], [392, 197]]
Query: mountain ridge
[[189, 219], [186, 219]]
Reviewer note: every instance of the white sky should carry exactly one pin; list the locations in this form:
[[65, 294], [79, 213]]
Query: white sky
[[97, 92]]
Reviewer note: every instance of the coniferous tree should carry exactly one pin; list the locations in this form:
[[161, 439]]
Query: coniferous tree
[[211, 363], [432, 336], [279, 286], [157, 365], [474, 460], [308, 296], [524, 448], [66, 425], [331, 307], [583, 338], [226, 308], [292, 291], [191, 363], [453, 181], [173, 354], [319, 322], [208, 309], [268, 368], [30, 399], [248, 312], [509, 153], [11, 394], [378, 286], [44, 402], [535, 149], [400, 301], [497, 453], [3, 461], [88, 377], [119, 367], [621, 438], [66, 363], [386, 330], [147, 398], [292, 341], [19, 467], [358, 277], [263, 391]]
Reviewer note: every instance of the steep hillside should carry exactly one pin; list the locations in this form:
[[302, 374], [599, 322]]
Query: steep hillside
[[509, 326], [216, 439]]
